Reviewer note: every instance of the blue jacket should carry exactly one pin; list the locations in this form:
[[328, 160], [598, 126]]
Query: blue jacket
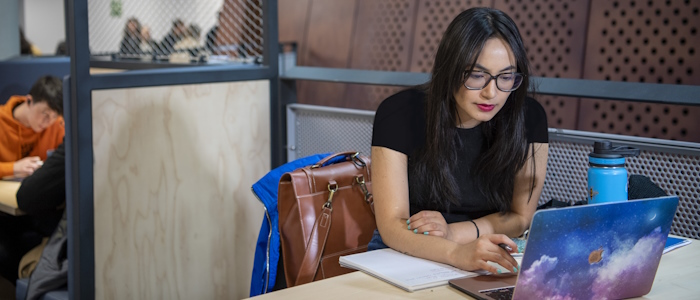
[[267, 251]]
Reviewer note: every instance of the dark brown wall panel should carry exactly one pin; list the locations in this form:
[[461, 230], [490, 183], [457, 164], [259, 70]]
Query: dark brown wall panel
[[638, 41], [431, 21], [292, 20], [327, 44], [241, 24], [382, 38], [382, 41], [643, 41], [554, 35]]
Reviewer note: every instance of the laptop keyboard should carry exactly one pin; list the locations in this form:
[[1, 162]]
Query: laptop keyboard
[[500, 293]]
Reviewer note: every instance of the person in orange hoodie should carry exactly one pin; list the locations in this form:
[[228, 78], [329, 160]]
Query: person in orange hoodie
[[31, 127]]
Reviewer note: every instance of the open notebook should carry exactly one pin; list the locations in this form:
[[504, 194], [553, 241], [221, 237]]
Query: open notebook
[[405, 271]]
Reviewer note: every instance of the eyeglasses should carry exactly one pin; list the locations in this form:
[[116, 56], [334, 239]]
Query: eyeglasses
[[506, 82]]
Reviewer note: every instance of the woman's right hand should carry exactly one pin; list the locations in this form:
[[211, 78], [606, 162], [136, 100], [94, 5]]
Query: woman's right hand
[[476, 255]]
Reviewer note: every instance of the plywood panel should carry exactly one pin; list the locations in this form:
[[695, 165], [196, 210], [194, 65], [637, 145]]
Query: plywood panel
[[174, 214]]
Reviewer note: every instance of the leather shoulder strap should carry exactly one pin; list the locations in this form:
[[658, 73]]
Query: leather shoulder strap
[[315, 246]]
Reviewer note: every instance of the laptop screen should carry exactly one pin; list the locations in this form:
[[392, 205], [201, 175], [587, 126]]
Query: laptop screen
[[603, 251]]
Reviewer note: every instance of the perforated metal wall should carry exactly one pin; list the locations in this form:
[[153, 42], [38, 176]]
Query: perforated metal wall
[[567, 178], [643, 41], [618, 40], [431, 22], [391, 22], [554, 35], [383, 43], [318, 129], [676, 174]]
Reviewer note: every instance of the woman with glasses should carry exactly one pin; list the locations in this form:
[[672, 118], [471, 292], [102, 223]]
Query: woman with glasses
[[458, 164]]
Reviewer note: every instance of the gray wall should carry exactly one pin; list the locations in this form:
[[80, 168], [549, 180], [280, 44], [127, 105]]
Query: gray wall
[[44, 23], [9, 29]]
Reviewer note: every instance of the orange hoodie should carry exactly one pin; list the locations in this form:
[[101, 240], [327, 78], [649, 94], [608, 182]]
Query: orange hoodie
[[18, 141]]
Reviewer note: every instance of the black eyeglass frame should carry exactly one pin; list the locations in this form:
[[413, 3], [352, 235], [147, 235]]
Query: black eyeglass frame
[[491, 77]]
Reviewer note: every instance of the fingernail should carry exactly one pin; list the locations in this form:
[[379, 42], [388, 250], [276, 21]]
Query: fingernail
[[498, 271], [408, 221], [409, 227], [425, 232], [415, 230], [515, 269]]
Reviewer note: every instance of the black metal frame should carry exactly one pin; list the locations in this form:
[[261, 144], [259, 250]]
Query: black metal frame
[[584, 88], [78, 115]]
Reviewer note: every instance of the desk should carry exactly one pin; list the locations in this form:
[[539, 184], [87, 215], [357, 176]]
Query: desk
[[8, 197], [677, 278]]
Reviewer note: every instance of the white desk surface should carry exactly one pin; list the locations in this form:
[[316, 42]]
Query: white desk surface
[[8, 197], [677, 278]]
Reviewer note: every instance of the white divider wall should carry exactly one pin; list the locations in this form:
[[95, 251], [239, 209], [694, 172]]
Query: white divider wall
[[174, 214]]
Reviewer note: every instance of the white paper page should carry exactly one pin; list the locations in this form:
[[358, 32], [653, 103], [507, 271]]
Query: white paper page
[[408, 272]]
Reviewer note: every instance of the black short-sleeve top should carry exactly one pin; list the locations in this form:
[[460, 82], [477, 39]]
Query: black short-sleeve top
[[399, 124]]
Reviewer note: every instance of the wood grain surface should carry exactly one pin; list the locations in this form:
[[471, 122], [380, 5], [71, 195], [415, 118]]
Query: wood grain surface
[[175, 217]]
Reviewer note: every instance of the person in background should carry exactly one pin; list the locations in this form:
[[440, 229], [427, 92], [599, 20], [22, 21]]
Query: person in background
[[148, 45], [42, 196], [62, 49], [30, 126], [458, 164], [131, 41], [188, 49], [210, 41], [177, 33], [190, 40], [26, 47]]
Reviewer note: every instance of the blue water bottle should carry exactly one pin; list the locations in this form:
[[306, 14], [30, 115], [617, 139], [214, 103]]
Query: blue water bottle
[[607, 176]]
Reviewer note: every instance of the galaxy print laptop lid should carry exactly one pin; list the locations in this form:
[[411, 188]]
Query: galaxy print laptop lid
[[595, 251]]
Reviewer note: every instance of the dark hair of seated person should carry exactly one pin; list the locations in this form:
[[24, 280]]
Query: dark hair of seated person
[[62, 49], [48, 89], [25, 47]]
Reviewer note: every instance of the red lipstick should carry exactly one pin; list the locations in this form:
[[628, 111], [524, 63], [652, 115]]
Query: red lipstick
[[486, 107]]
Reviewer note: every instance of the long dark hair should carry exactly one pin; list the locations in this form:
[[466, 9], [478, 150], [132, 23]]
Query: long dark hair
[[504, 149]]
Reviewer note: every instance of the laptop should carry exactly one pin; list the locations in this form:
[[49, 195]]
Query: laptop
[[595, 251]]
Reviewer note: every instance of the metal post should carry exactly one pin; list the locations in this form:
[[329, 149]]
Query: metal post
[[277, 107], [79, 155]]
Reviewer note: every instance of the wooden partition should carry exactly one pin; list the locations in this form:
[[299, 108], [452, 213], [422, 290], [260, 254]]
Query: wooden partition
[[174, 214]]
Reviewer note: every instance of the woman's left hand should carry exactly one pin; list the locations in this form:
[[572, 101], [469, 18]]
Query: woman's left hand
[[429, 222]]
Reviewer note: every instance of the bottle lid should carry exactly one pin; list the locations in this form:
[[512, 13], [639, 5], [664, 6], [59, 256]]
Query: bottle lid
[[605, 149]]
